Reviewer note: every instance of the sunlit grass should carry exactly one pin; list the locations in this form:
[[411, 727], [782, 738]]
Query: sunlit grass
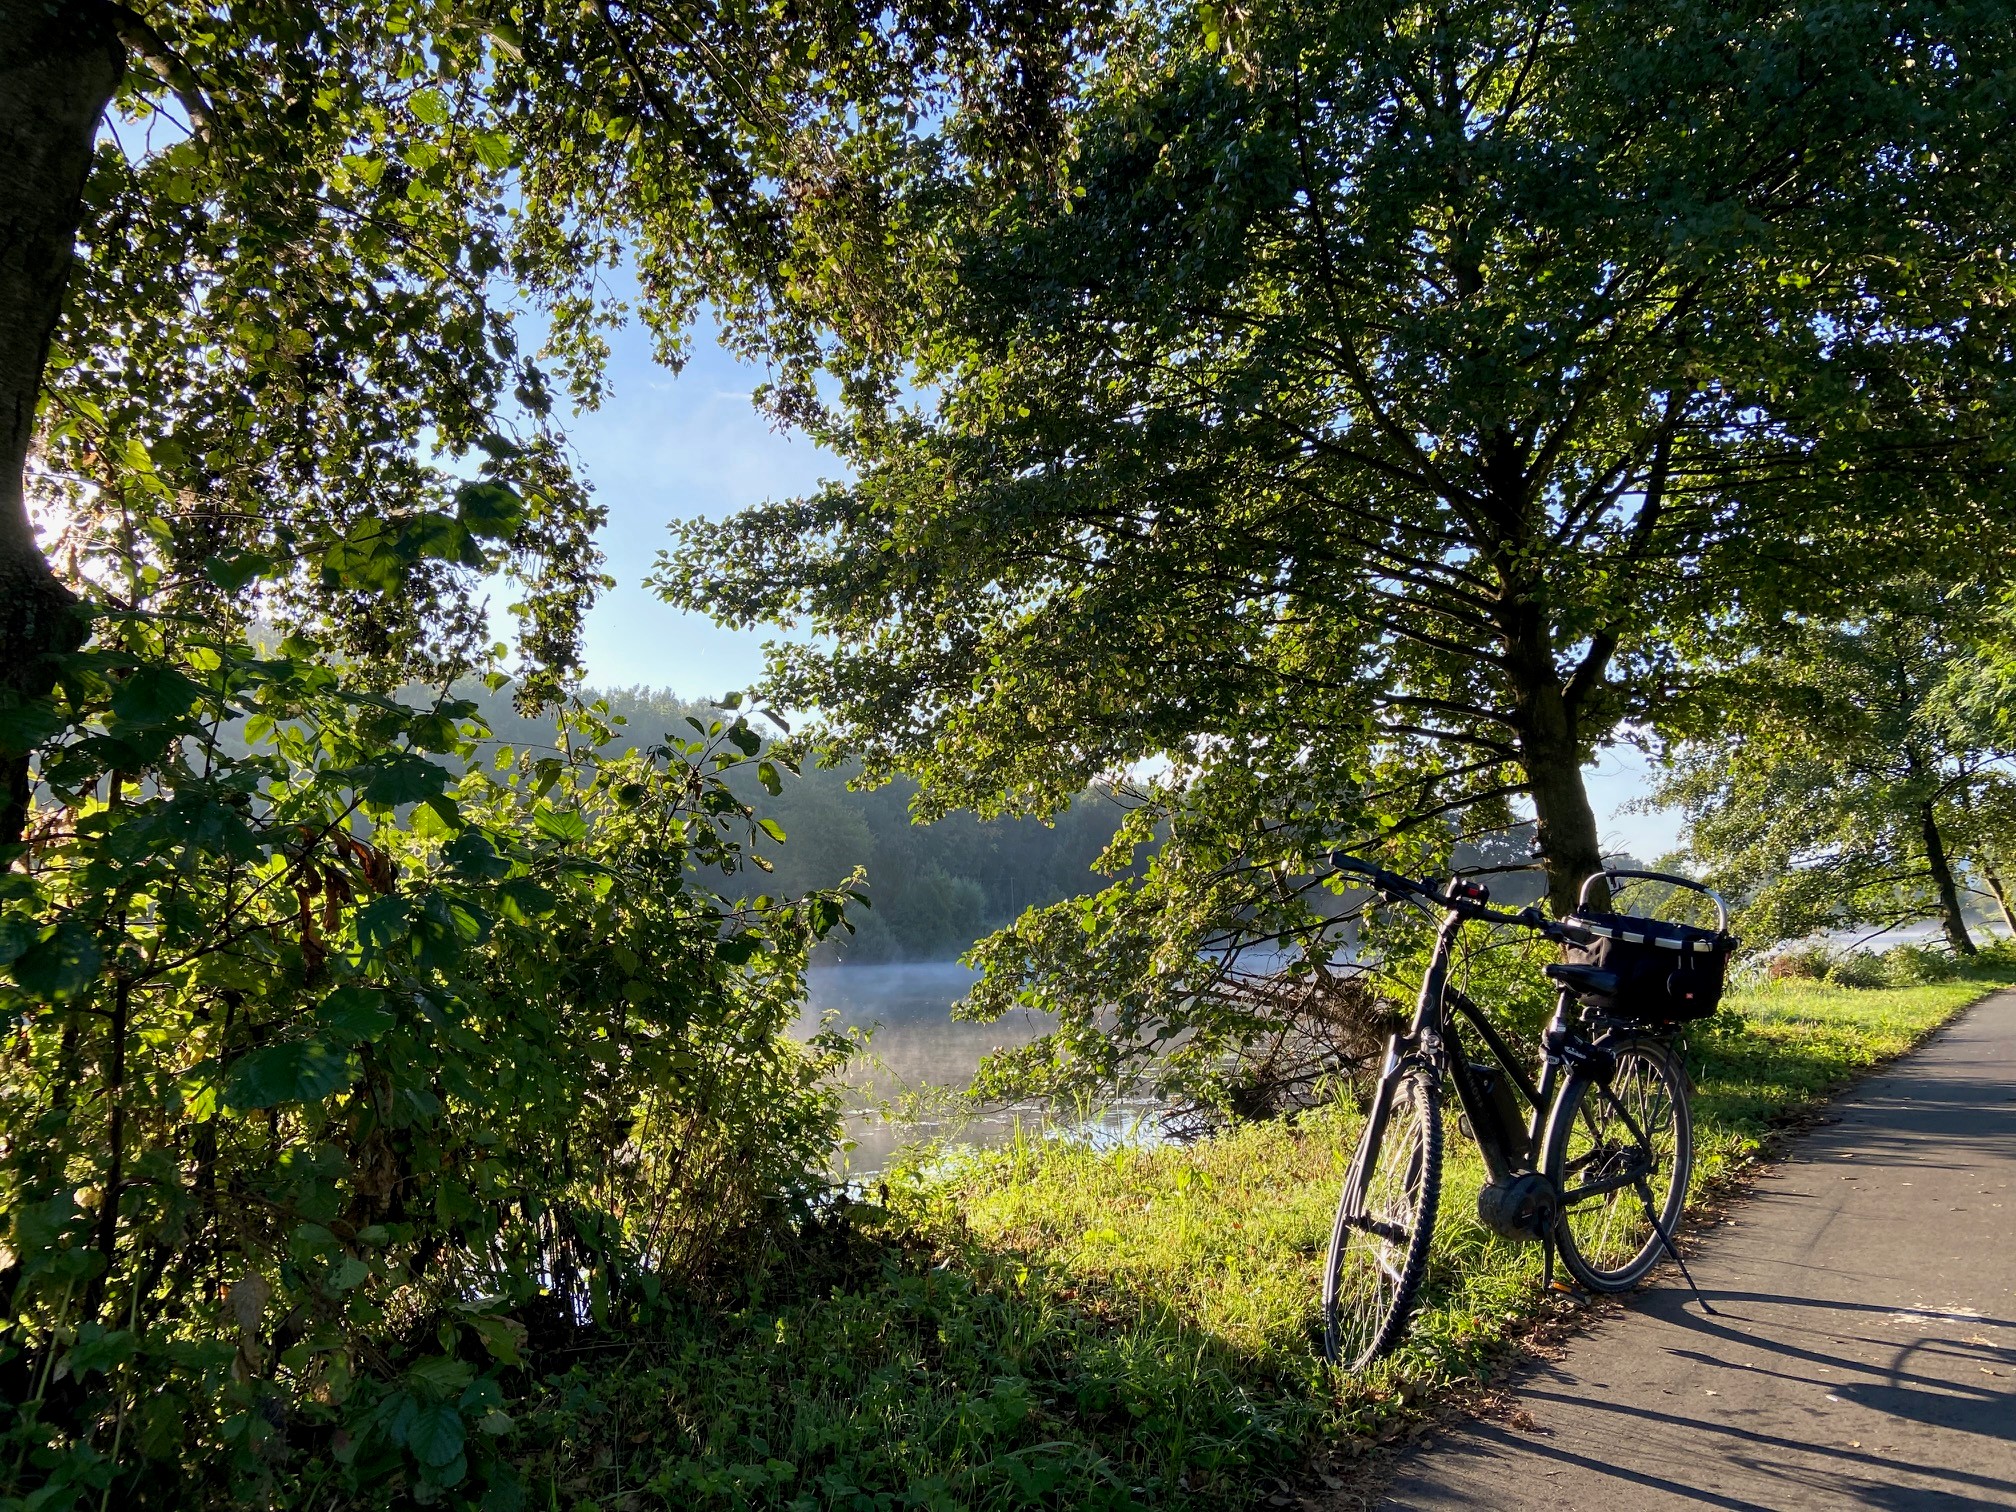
[[1053, 1324]]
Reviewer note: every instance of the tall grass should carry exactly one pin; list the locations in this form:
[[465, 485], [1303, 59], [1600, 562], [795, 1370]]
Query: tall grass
[[1053, 1324]]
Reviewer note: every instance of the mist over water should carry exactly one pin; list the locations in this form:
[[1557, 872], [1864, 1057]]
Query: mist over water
[[918, 1048]]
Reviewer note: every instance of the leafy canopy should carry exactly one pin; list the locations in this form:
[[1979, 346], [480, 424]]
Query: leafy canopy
[[1849, 786], [1373, 415]]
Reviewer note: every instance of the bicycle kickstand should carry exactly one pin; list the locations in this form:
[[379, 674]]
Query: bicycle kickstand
[[1547, 1251], [1673, 1249]]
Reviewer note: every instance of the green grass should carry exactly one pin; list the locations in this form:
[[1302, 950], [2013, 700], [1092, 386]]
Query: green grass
[[1052, 1325]]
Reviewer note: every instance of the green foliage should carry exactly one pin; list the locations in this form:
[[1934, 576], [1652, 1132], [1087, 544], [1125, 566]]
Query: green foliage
[[1376, 411], [292, 325], [1899, 966], [1839, 789], [289, 336], [349, 1061]]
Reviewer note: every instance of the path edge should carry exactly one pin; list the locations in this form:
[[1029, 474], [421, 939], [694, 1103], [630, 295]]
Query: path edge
[[1358, 1482]]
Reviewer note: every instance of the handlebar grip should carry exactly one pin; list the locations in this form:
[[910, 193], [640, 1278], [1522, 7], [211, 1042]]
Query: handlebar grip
[[1378, 876]]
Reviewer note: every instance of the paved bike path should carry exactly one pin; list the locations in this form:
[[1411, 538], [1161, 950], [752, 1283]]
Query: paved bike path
[[1865, 1349]]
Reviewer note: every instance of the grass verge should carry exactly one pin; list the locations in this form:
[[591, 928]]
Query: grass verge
[[1052, 1325]]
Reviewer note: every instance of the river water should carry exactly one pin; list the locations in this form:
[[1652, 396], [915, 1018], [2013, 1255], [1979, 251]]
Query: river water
[[919, 1055]]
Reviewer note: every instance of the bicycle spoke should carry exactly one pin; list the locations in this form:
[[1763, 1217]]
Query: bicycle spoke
[[1378, 1250], [1625, 1137]]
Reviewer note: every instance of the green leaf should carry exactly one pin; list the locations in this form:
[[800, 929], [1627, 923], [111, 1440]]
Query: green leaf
[[493, 150], [399, 777], [441, 538], [737, 950], [437, 815], [489, 510], [154, 694], [563, 825], [502, 1337], [300, 1072], [60, 965], [232, 573], [435, 1433], [771, 828], [440, 1376], [382, 923], [524, 900], [368, 557], [428, 108], [472, 854], [354, 1014]]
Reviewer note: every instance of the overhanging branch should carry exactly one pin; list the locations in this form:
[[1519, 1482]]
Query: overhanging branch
[[145, 43]]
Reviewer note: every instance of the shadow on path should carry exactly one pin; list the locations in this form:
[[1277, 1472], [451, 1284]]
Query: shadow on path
[[1865, 1352]]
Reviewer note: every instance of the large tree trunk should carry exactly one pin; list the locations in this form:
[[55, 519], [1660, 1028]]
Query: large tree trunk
[[1569, 845], [1550, 750], [58, 66], [1942, 879]]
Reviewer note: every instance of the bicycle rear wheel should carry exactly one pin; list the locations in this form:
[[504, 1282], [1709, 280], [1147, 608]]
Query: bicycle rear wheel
[[1615, 1153], [1379, 1243]]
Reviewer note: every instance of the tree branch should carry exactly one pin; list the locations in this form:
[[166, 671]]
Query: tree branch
[[148, 45]]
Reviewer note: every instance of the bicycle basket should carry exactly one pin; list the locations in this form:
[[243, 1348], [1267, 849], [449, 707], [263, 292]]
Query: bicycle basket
[[1667, 973]]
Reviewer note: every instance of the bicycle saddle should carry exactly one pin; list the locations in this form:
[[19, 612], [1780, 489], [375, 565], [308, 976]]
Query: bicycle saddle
[[1584, 979]]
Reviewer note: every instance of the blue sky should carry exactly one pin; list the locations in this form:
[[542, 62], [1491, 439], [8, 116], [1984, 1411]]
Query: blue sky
[[664, 448]]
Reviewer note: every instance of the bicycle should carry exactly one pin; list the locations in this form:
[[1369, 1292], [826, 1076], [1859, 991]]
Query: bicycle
[[1608, 1121]]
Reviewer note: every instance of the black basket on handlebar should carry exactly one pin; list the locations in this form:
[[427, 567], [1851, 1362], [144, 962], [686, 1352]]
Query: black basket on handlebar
[[1667, 973]]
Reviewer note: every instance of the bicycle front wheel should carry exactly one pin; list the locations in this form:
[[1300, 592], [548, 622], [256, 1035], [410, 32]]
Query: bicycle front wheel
[[1618, 1152], [1379, 1243]]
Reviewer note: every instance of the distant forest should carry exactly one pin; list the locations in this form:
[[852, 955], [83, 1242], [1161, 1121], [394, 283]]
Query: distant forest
[[933, 889]]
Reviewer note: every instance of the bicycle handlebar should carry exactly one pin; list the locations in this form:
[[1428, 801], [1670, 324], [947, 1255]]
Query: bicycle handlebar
[[1456, 902]]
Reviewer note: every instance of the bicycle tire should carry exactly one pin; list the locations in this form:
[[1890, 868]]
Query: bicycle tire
[[1372, 1277], [1603, 1239]]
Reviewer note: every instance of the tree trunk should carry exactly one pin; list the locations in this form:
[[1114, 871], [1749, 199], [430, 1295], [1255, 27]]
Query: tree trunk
[[59, 64], [1550, 750], [2000, 894], [1942, 878], [1569, 845]]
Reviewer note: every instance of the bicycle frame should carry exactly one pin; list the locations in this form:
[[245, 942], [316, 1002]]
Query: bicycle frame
[[1433, 1036], [1533, 1182]]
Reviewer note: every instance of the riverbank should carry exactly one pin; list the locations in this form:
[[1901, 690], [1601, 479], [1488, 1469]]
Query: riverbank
[[1052, 1325]]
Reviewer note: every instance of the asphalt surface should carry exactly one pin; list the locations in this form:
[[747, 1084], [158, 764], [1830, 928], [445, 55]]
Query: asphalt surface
[[1864, 1352]]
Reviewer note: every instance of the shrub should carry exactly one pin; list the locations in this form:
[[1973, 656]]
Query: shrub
[[339, 1080], [1802, 963], [1857, 968], [1997, 955], [1911, 965]]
